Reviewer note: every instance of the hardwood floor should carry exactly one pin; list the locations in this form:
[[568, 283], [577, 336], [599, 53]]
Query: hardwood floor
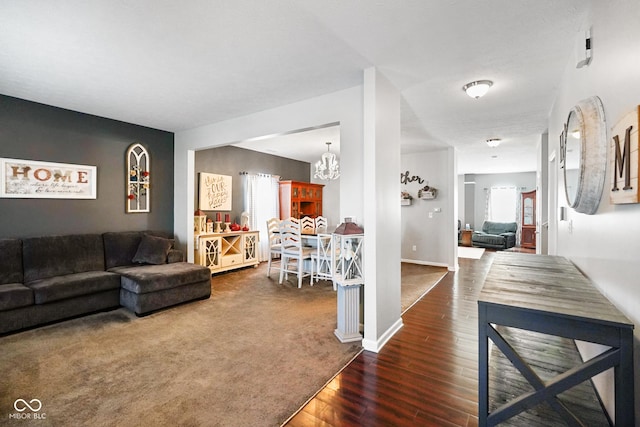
[[426, 375]]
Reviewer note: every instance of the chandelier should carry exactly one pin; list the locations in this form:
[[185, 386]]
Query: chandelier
[[327, 167]]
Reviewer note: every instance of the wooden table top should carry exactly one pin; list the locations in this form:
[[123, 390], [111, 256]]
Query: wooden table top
[[550, 284]]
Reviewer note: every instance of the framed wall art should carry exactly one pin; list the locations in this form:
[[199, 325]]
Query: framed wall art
[[214, 192], [138, 179], [31, 179]]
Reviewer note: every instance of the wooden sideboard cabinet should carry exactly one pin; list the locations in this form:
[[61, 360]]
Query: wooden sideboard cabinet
[[299, 199], [227, 251]]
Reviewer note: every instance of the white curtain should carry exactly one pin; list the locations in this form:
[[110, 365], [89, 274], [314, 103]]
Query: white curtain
[[261, 202], [487, 204]]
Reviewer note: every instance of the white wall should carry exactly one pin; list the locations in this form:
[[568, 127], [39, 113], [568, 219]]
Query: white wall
[[430, 235], [461, 200], [542, 184], [330, 198], [605, 246]]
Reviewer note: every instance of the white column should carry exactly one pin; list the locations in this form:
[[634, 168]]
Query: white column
[[381, 179], [348, 313]]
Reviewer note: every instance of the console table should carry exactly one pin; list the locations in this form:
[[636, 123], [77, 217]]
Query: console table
[[226, 251], [548, 294]]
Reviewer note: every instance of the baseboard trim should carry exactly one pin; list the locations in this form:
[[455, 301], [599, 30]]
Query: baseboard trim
[[434, 264], [376, 345], [420, 262]]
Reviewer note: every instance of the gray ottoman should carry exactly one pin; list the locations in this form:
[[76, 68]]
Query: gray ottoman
[[147, 288]]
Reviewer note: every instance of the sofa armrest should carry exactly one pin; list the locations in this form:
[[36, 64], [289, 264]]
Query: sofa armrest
[[174, 255], [510, 239]]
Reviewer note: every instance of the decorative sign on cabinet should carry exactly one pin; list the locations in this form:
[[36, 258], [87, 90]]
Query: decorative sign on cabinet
[[227, 251], [299, 199]]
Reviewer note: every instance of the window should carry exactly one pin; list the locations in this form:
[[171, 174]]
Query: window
[[502, 204]]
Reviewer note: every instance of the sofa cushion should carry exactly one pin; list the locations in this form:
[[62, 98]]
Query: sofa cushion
[[15, 295], [10, 261], [152, 250], [491, 239], [151, 278], [175, 256], [492, 227], [73, 285], [121, 246], [52, 256]]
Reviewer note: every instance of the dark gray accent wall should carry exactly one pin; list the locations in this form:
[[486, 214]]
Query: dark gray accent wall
[[35, 131], [231, 161]]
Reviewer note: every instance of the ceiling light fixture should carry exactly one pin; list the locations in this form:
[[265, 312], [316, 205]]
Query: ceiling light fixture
[[478, 88], [327, 167], [493, 142]]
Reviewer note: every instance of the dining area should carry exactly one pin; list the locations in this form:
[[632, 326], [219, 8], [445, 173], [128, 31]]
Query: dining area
[[307, 248], [310, 248], [302, 247]]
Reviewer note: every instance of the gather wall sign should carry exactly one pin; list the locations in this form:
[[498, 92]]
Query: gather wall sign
[[406, 178]]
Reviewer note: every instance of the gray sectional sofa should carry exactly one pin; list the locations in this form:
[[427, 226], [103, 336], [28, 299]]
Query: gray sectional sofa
[[50, 278]]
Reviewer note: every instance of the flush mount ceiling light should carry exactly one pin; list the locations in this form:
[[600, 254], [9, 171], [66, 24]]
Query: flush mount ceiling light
[[478, 88], [327, 167], [493, 142]]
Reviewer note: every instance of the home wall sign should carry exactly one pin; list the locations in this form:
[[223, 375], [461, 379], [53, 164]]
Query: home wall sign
[[214, 192], [31, 179], [624, 159]]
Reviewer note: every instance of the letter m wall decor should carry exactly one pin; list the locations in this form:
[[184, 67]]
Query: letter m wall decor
[[624, 158], [28, 179]]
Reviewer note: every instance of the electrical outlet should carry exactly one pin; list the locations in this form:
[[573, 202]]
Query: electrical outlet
[[413, 248], [570, 226], [430, 214]]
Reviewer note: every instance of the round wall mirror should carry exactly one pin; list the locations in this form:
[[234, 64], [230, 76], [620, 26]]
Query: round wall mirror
[[585, 155], [572, 157]]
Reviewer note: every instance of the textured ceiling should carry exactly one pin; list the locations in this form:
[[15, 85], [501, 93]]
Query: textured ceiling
[[177, 65]]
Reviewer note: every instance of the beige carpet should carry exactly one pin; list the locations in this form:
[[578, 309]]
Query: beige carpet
[[417, 280], [249, 356]]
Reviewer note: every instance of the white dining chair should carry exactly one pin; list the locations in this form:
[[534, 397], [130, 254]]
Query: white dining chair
[[308, 225], [321, 224], [275, 248], [324, 259], [292, 249]]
